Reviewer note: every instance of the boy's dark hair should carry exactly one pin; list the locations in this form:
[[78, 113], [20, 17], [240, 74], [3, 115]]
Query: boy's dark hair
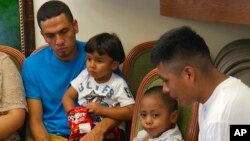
[[184, 46], [106, 43], [52, 9], [170, 102]]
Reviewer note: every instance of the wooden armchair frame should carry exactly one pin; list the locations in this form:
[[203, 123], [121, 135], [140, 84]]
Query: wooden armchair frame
[[39, 48], [132, 55], [15, 55], [129, 64]]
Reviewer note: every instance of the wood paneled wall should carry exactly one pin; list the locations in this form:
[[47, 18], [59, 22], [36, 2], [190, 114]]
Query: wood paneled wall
[[230, 11]]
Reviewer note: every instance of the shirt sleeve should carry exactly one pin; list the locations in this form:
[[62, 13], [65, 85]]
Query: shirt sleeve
[[81, 78], [13, 95], [30, 86], [123, 94]]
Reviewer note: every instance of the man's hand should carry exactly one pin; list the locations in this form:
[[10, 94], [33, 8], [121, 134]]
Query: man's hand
[[94, 135]]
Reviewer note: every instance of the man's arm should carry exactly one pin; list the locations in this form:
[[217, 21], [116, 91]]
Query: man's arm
[[38, 130], [97, 133], [10, 122]]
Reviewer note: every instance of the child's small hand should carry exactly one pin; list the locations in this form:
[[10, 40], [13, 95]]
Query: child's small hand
[[95, 108]]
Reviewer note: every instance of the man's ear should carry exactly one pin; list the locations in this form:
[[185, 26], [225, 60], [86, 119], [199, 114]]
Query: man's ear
[[189, 73], [75, 26], [42, 33], [115, 65], [44, 37], [174, 117]]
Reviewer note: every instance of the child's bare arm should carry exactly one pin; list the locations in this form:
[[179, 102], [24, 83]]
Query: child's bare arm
[[68, 98], [117, 113]]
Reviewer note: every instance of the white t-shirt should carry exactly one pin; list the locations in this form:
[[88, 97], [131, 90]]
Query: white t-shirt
[[169, 135], [229, 104], [109, 94]]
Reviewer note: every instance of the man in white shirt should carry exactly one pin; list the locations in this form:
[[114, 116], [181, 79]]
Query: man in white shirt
[[184, 64]]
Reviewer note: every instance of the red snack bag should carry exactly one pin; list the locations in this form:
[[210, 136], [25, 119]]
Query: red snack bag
[[79, 122]]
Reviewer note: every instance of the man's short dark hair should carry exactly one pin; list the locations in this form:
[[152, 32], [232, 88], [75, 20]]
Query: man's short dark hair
[[52, 9], [184, 46]]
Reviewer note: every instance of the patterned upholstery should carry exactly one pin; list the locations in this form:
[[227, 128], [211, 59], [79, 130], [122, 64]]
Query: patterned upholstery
[[187, 122]]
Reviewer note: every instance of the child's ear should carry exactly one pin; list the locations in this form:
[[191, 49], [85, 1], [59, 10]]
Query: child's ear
[[174, 117], [115, 65]]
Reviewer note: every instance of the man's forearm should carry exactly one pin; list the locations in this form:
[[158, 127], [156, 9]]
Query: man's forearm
[[39, 133], [106, 124]]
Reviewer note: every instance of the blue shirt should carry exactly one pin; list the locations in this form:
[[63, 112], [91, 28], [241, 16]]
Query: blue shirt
[[46, 78]]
